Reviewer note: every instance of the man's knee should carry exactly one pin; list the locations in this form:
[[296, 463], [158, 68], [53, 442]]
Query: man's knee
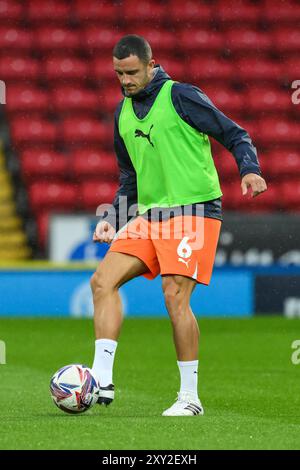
[[94, 282], [100, 283], [173, 294], [177, 291]]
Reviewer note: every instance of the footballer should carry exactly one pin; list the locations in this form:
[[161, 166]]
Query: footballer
[[161, 140]]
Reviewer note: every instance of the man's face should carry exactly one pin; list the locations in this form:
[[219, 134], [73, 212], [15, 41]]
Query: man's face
[[133, 74]]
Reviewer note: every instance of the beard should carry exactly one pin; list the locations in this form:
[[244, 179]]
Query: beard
[[138, 88]]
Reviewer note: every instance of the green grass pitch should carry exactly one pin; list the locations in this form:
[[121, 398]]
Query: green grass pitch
[[248, 385]]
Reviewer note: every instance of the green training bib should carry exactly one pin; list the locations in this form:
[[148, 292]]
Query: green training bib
[[172, 160]]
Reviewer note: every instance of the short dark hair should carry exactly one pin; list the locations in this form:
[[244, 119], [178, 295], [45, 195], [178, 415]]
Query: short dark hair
[[132, 44]]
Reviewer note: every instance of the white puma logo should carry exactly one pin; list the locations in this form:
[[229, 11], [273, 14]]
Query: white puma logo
[[185, 262]]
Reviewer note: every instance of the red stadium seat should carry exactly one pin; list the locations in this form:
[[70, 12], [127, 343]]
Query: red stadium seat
[[286, 40], [210, 69], [37, 164], [70, 99], [93, 164], [11, 12], [62, 90], [247, 41], [290, 195], [268, 100], [101, 70], [160, 39], [290, 70], [257, 70], [200, 40], [226, 165], [15, 39], [281, 12], [33, 131], [66, 69], [19, 68], [239, 14], [212, 89], [84, 131], [227, 99], [92, 194], [284, 163], [93, 11], [250, 126], [174, 67], [231, 192], [54, 39], [190, 11], [43, 219], [264, 163], [264, 202], [274, 131], [26, 98], [144, 11], [52, 11], [58, 196], [234, 200], [101, 40], [109, 99]]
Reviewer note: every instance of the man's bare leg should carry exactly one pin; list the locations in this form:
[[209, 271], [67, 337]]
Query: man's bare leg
[[177, 293], [112, 273]]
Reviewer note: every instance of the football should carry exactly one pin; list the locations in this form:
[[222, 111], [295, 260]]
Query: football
[[74, 388]]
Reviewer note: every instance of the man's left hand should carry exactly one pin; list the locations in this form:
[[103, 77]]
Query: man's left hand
[[255, 182]]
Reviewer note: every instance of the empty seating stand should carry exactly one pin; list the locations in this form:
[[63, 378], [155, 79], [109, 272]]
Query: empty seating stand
[[62, 90]]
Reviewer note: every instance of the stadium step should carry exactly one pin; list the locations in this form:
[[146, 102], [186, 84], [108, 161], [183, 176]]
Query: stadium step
[[12, 222], [17, 237], [15, 254], [6, 192], [13, 239], [7, 209], [4, 177]]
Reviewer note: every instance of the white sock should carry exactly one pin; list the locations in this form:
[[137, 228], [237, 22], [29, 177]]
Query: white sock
[[104, 360], [188, 377]]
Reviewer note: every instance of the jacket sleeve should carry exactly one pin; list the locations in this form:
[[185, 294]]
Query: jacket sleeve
[[127, 178], [195, 108]]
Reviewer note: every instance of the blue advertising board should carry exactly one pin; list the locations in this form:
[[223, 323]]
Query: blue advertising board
[[66, 292]]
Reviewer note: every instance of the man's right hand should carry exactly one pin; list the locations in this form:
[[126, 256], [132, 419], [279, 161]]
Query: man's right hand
[[104, 232]]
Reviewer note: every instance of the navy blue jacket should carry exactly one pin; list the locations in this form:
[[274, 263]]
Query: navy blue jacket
[[195, 108]]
